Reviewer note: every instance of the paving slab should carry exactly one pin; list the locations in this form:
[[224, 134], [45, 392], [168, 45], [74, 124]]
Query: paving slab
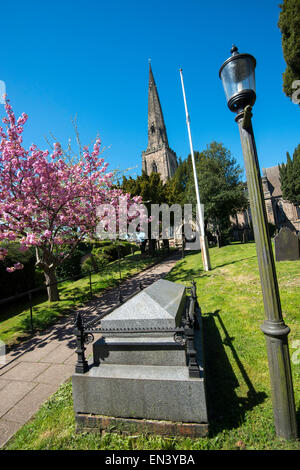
[[59, 355], [7, 430], [3, 383], [56, 374], [71, 360], [13, 393], [6, 367], [26, 407], [25, 371], [39, 352]]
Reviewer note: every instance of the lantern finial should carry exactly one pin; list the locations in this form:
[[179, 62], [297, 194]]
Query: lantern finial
[[234, 50]]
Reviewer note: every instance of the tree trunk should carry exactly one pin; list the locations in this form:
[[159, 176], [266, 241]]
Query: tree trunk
[[52, 289], [166, 244], [152, 246], [219, 239], [143, 247]]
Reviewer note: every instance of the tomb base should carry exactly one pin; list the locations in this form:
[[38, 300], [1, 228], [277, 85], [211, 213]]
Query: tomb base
[[150, 392], [129, 426]]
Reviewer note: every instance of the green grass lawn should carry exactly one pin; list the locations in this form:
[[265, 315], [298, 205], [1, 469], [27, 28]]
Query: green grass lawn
[[238, 389], [15, 324]]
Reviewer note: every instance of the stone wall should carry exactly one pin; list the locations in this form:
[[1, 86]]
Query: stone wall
[[280, 212], [165, 160]]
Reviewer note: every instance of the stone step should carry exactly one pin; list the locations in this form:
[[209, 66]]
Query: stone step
[[140, 372], [156, 351]]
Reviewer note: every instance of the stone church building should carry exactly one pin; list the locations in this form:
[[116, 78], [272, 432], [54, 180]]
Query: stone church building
[[158, 157], [280, 212]]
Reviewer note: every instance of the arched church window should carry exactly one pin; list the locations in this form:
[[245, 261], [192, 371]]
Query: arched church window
[[154, 167], [152, 128]]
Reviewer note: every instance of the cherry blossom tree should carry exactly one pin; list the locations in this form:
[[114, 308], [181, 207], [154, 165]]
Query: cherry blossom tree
[[46, 202]]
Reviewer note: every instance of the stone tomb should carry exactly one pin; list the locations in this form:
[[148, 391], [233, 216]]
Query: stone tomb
[[139, 378], [286, 245]]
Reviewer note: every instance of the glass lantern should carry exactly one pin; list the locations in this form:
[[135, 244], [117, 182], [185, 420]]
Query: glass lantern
[[238, 78]]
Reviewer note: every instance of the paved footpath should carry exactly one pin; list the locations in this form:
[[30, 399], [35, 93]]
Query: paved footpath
[[35, 369]]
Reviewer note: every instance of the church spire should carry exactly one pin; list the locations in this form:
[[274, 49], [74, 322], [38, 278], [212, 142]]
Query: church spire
[[157, 134], [158, 158]]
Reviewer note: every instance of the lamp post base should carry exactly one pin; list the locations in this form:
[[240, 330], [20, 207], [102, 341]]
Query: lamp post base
[[281, 378]]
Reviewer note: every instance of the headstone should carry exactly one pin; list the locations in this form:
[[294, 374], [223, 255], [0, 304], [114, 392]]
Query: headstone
[[286, 245], [139, 373]]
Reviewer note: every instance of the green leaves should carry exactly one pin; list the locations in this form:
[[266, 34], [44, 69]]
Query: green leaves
[[289, 24], [221, 190], [290, 177], [150, 188]]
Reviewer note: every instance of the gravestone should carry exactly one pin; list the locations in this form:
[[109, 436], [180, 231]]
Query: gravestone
[[286, 245], [145, 375]]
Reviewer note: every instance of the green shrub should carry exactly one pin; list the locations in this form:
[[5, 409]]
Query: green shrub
[[92, 256], [111, 252], [71, 267], [86, 266], [93, 263]]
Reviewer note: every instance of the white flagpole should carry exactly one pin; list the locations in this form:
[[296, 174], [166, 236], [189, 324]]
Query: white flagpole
[[203, 239]]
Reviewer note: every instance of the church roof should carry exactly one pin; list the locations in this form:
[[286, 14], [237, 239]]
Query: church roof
[[273, 176]]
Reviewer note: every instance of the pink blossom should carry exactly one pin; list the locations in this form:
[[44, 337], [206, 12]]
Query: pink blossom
[[47, 234], [23, 248], [18, 266], [46, 202], [11, 270]]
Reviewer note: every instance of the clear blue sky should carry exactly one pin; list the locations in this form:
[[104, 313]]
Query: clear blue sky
[[90, 57]]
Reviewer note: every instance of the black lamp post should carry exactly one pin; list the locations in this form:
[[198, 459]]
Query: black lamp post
[[238, 78]]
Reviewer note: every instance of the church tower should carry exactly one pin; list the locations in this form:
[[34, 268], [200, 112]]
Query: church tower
[[158, 157]]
